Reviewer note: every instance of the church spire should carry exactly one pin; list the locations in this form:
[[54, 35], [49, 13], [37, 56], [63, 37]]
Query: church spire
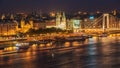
[[3, 17], [63, 17], [58, 17], [11, 17], [63, 20]]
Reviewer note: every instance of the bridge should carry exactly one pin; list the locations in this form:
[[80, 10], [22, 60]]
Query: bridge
[[104, 23]]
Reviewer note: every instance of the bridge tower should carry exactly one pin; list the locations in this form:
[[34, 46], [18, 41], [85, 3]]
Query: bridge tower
[[106, 21]]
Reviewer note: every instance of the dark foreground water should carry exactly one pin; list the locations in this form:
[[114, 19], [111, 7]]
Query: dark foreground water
[[93, 53]]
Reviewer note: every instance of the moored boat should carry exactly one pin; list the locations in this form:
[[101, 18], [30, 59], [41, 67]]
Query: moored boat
[[23, 45], [75, 38], [103, 35]]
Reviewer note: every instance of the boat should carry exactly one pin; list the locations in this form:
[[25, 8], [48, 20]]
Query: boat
[[103, 35], [23, 45], [75, 38], [59, 39], [89, 36], [12, 39], [42, 42], [45, 41]]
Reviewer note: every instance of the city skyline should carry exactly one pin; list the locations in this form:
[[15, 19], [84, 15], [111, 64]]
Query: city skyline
[[58, 5]]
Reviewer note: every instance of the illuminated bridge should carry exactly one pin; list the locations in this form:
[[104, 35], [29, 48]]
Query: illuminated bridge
[[104, 23]]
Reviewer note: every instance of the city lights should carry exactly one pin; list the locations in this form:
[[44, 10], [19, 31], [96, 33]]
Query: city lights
[[59, 34]]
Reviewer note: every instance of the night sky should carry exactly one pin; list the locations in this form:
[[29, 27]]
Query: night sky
[[58, 5]]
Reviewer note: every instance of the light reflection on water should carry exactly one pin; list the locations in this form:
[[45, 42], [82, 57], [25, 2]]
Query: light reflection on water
[[93, 53]]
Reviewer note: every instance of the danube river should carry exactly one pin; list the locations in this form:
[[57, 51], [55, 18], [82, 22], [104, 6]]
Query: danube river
[[96, 52]]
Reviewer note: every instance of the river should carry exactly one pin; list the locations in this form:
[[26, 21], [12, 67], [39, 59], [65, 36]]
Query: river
[[96, 52]]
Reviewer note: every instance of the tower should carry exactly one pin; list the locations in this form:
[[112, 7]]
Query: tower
[[63, 20], [12, 17], [3, 17], [105, 21], [31, 23], [115, 12], [58, 19], [22, 23]]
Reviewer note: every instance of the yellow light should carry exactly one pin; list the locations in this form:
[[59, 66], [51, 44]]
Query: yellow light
[[48, 45], [52, 14], [42, 45], [28, 53], [75, 44], [67, 44]]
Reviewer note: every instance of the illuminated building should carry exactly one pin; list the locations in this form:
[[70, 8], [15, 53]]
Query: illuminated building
[[12, 27], [91, 17], [52, 14], [2, 17], [115, 12], [37, 25], [12, 17], [13, 24], [74, 24], [69, 25], [58, 19], [7, 28], [50, 24], [24, 26], [61, 20]]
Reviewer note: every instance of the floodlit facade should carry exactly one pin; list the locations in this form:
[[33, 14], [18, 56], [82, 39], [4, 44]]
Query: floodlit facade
[[74, 24], [61, 20], [8, 28], [24, 26]]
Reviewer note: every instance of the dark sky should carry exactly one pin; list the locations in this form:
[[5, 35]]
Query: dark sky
[[63, 5]]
